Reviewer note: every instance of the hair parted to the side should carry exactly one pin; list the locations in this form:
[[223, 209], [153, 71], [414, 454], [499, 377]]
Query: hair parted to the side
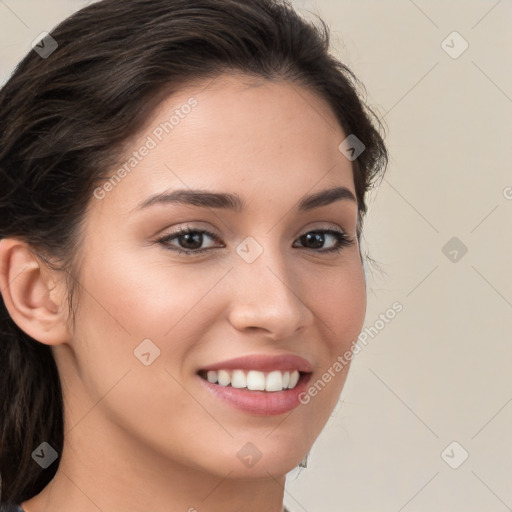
[[63, 123]]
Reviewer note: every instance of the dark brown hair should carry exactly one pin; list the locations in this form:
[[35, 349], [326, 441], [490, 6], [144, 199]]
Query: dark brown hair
[[64, 120]]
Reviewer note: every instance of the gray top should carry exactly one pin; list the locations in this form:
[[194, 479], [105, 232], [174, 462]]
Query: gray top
[[5, 507]]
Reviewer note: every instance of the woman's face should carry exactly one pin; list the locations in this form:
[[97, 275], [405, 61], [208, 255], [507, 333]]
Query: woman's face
[[152, 321]]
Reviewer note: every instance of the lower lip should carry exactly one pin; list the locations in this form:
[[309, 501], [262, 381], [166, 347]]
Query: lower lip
[[260, 403]]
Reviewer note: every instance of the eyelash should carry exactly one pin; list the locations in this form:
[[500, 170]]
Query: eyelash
[[342, 238]]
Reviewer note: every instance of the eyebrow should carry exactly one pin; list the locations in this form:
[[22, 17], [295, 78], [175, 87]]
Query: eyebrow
[[234, 202]]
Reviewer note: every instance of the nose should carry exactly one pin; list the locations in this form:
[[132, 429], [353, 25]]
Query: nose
[[267, 296]]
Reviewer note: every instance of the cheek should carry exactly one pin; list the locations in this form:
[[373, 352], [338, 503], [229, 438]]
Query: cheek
[[338, 299], [129, 299], [123, 301], [144, 297]]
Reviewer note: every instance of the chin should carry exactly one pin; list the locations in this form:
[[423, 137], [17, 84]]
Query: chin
[[265, 458], [272, 467]]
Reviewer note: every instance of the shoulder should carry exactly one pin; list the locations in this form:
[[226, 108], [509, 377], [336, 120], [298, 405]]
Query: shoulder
[[9, 507]]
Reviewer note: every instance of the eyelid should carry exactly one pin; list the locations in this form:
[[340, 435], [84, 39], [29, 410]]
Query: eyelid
[[191, 229]]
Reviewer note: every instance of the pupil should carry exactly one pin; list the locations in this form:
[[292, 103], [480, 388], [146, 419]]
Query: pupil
[[189, 236], [319, 237]]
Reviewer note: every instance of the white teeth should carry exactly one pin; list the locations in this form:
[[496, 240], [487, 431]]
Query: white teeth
[[238, 379], [274, 381], [294, 378], [254, 380], [224, 378]]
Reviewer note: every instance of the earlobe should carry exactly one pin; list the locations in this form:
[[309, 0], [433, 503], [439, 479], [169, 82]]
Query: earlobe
[[30, 295]]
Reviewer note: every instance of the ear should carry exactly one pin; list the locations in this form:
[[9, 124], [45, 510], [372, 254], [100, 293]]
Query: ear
[[31, 294]]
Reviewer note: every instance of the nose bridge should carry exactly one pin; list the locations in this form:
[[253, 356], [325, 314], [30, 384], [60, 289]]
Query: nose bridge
[[264, 263], [265, 293]]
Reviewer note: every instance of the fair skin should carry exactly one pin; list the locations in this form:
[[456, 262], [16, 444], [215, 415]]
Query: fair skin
[[154, 437]]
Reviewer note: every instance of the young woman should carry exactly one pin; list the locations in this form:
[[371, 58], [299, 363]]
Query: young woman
[[182, 195]]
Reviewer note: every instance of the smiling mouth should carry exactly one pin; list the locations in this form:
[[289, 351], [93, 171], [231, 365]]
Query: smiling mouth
[[254, 380]]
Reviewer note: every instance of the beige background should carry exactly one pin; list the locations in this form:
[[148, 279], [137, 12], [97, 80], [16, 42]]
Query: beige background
[[440, 370]]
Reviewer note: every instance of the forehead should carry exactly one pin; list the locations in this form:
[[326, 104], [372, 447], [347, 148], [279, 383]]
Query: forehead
[[236, 133]]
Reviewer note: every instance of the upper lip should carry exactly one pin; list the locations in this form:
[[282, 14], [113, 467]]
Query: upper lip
[[263, 363]]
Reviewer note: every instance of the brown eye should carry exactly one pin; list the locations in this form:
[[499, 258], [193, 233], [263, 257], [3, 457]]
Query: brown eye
[[316, 239], [189, 241]]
